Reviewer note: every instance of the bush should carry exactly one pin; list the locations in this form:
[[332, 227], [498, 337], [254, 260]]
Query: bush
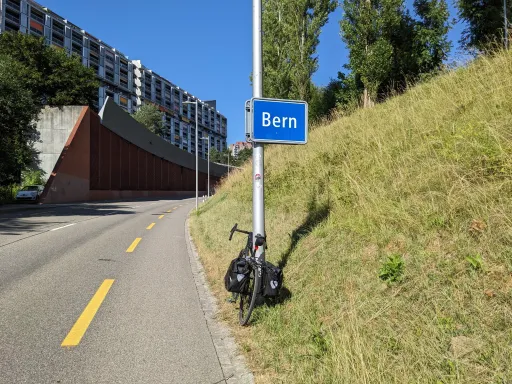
[[33, 177], [8, 193]]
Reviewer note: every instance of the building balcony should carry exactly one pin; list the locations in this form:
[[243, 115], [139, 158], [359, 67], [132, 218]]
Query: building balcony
[[37, 18], [56, 30], [13, 5], [77, 51], [12, 17], [77, 39], [57, 42]]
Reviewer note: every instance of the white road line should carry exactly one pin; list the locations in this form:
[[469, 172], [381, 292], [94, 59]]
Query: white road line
[[56, 229]]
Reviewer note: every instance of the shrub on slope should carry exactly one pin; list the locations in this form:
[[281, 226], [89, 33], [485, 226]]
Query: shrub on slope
[[418, 188]]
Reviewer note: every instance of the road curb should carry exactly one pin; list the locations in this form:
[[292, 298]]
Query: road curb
[[232, 363]]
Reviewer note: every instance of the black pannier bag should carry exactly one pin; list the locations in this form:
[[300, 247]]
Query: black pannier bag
[[272, 280], [237, 277]]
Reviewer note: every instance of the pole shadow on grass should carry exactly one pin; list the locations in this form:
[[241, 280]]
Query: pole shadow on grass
[[317, 214]]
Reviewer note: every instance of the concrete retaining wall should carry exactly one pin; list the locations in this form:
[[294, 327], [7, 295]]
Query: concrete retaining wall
[[54, 127]]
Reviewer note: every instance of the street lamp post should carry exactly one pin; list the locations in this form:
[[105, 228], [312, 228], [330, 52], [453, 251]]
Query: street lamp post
[[208, 138], [197, 158]]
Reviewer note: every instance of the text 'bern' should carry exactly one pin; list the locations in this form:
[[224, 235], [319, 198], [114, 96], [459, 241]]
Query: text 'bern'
[[278, 122]]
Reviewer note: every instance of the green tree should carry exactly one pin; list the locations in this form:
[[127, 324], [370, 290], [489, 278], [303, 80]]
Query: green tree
[[276, 61], [431, 35], [151, 117], [17, 123], [291, 35], [244, 155], [338, 94], [366, 28], [389, 48], [53, 77], [307, 19], [484, 19], [215, 156]]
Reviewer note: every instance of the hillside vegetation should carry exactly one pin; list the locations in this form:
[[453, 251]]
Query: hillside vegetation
[[394, 227]]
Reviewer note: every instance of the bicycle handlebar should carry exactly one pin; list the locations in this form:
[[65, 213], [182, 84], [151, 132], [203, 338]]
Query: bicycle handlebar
[[232, 231], [235, 229]]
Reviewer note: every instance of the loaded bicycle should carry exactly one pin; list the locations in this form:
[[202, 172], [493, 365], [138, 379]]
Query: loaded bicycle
[[249, 278]]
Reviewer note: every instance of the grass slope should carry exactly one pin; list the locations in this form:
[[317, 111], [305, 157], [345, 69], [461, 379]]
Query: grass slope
[[424, 178]]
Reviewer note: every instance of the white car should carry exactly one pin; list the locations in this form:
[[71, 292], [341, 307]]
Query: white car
[[30, 192]]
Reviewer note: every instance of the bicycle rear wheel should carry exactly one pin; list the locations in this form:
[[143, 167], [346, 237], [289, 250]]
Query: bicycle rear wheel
[[248, 300]]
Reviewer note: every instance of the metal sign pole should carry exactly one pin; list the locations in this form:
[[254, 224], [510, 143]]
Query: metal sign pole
[[258, 203]]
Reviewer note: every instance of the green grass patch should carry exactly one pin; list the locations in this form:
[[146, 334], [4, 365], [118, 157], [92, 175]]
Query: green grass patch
[[394, 228]]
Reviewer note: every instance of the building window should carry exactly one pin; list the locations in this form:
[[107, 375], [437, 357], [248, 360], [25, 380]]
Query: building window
[[77, 38], [109, 76], [36, 32], [95, 47], [37, 16], [76, 49], [11, 16], [58, 40], [13, 4], [58, 27]]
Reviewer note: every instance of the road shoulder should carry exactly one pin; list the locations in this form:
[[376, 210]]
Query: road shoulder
[[232, 363]]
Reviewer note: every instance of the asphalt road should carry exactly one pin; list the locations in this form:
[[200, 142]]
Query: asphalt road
[[76, 307]]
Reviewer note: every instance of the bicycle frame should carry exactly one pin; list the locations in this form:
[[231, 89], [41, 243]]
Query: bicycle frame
[[257, 267]]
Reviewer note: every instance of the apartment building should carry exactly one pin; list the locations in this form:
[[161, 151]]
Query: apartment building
[[238, 146], [128, 82]]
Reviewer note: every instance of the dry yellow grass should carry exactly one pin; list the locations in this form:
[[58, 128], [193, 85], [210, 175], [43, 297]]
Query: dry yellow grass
[[426, 176]]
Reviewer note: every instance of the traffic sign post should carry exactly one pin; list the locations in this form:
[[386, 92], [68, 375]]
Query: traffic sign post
[[268, 121], [258, 197], [278, 121]]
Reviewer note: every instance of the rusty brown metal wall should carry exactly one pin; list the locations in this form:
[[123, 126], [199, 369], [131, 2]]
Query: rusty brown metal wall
[[117, 164]]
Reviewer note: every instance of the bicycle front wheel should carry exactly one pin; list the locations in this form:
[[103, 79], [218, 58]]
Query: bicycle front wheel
[[248, 300]]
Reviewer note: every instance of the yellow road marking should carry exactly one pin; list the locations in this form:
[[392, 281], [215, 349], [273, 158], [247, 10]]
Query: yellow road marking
[[151, 225], [161, 216], [77, 332], [132, 247], [169, 211]]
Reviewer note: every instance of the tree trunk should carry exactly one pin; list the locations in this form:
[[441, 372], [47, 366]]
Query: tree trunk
[[367, 100]]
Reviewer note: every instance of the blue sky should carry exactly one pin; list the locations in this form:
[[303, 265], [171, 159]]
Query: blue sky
[[203, 46]]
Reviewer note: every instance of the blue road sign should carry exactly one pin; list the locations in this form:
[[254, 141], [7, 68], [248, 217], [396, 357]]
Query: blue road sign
[[279, 121]]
